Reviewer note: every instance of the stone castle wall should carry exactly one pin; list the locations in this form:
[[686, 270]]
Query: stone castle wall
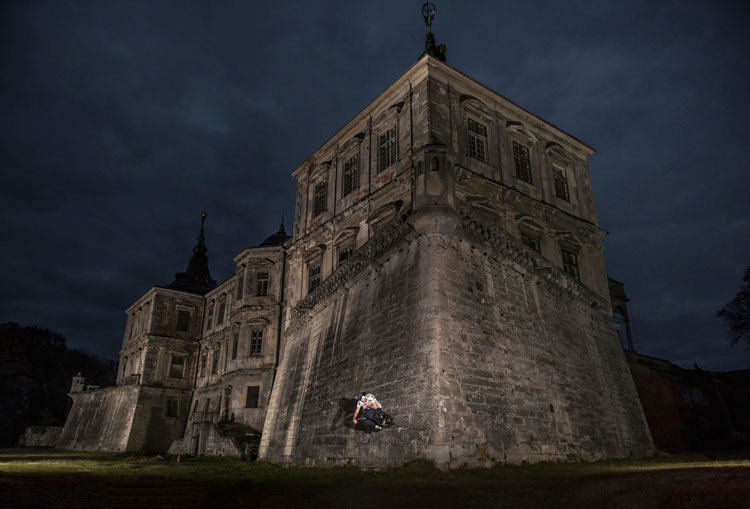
[[477, 359], [128, 418], [100, 420]]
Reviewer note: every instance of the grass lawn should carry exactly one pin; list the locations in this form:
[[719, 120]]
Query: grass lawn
[[51, 478]]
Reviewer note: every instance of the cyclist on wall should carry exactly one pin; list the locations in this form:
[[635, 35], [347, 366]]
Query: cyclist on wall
[[371, 405]]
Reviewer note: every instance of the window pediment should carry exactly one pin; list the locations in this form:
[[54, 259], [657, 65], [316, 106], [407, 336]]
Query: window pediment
[[529, 226], [569, 241], [521, 131]]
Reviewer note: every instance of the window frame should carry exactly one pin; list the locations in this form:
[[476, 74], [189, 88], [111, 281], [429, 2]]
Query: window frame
[[350, 175], [387, 148], [532, 242], [215, 362], [474, 137], [572, 269], [172, 407], [256, 343], [172, 367], [252, 395], [261, 290], [320, 197], [562, 189], [183, 322], [313, 274], [520, 171]]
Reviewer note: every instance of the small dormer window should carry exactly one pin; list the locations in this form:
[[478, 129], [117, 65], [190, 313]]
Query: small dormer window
[[522, 162], [320, 197], [477, 140]]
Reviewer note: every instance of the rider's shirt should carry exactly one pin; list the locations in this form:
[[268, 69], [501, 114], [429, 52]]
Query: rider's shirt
[[369, 400]]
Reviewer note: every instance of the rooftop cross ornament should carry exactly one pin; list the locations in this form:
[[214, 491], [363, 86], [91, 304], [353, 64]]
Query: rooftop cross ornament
[[428, 13]]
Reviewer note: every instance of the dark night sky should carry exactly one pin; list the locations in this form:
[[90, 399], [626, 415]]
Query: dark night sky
[[121, 121]]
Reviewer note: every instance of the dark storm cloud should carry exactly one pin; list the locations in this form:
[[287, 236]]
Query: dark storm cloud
[[121, 121]]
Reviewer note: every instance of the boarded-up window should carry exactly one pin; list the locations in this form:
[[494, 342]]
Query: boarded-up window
[[253, 392], [171, 407], [177, 369]]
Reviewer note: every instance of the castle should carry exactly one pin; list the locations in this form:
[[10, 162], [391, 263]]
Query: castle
[[445, 256]]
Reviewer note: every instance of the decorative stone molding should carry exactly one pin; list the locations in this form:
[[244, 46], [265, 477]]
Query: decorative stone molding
[[386, 238], [507, 246]]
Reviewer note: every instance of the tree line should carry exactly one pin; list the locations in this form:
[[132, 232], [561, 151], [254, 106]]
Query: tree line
[[36, 369]]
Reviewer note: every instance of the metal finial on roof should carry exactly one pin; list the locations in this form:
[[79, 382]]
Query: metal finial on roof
[[428, 13]]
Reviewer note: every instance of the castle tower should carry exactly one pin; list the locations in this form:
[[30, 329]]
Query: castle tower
[[446, 257], [146, 410]]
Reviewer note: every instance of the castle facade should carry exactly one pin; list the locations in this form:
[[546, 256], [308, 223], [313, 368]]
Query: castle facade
[[445, 256]]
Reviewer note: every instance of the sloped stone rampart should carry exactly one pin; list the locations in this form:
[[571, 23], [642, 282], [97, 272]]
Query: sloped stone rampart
[[478, 359]]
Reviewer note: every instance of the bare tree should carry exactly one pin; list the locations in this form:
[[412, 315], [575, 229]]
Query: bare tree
[[736, 313]]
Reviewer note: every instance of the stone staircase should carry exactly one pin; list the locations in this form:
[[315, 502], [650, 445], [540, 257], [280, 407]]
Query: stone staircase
[[245, 438]]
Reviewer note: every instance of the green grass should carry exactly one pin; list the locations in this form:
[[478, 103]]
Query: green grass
[[89, 479]]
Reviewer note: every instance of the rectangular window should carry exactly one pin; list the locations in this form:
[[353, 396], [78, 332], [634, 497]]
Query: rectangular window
[[387, 149], [262, 284], [195, 406], [522, 162], [177, 368], [215, 363], [532, 242], [345, 253], [256, 343], [183, 320], [251, 401], [204, 359], [240, 286], [210, 318], [222, 310], [235, 344], [208, 405], [320, 197], [171, 407], [561, 183], [313, 277], [570, 264], [477, 141], [351, 175]]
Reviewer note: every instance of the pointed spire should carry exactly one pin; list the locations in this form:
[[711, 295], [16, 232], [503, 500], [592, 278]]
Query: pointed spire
[[197, 277]]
